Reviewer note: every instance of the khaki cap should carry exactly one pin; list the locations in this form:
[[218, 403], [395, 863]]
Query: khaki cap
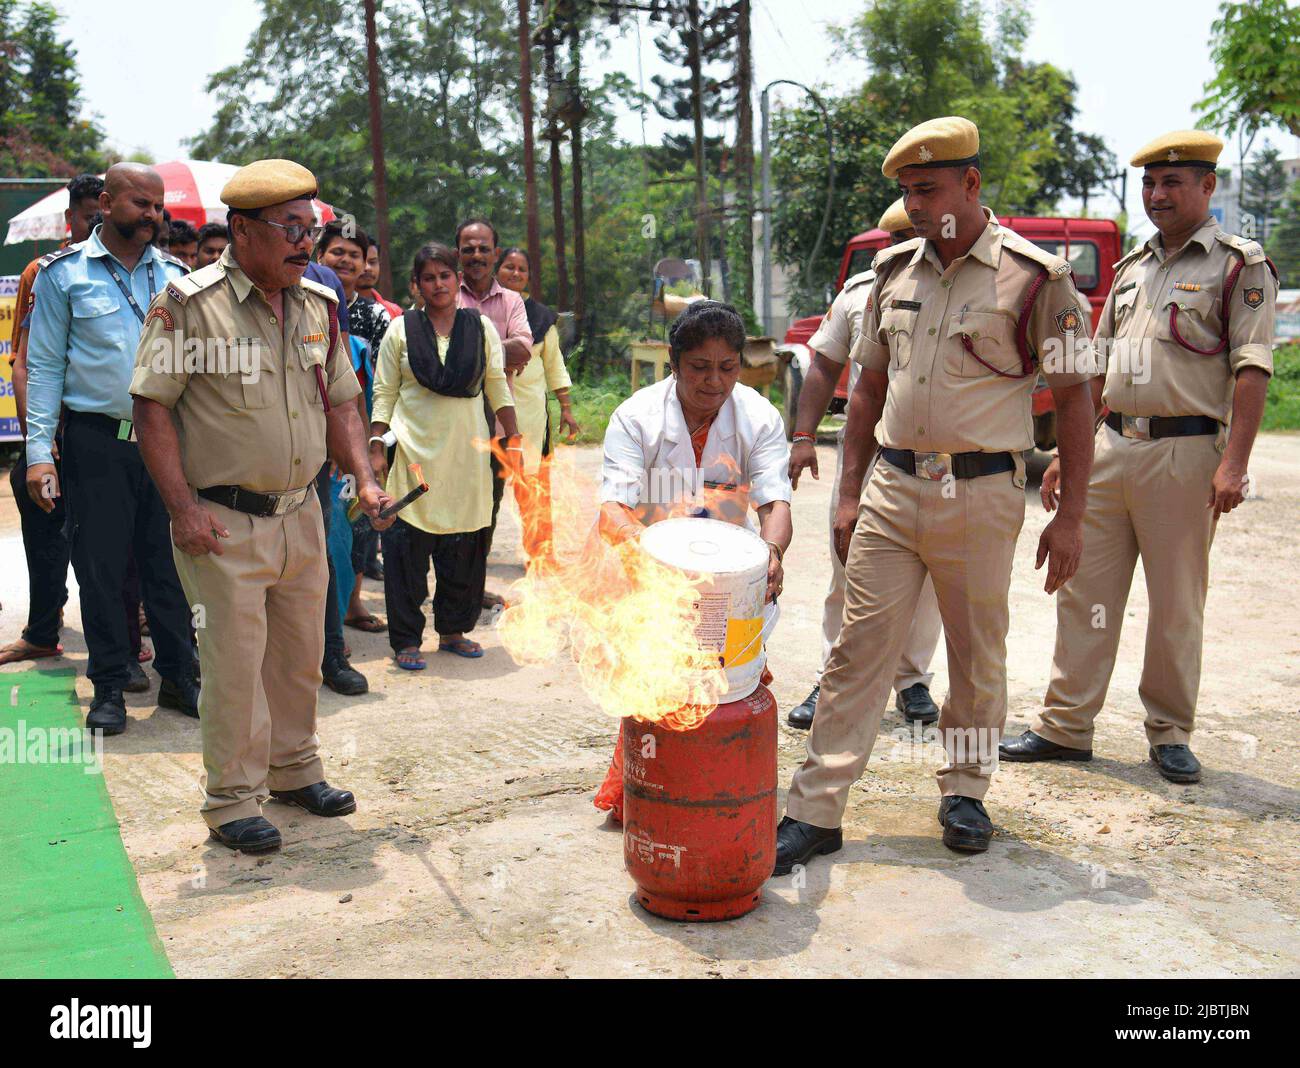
[[895, 218], [267, 182], [1182, 148], [947, 142]]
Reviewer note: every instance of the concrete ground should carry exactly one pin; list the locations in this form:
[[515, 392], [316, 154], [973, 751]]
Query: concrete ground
[[476, 851]]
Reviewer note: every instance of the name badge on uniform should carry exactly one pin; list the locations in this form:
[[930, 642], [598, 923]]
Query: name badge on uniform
[[1125, 288], [906, 305]]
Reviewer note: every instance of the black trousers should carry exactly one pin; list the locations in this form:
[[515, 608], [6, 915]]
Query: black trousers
[[46, 548], [460, 568], [333, 621], [114, 510]]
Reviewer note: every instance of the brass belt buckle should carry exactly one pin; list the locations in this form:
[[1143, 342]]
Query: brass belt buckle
[[935, 466], [287, 502], [1136, 426]]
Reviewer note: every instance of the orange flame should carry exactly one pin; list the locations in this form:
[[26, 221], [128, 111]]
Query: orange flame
[[627, 620]]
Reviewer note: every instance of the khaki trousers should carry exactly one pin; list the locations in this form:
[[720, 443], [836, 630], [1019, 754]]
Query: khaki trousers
[[963, 534], [1146, 499], [922, 635], [260, 617]]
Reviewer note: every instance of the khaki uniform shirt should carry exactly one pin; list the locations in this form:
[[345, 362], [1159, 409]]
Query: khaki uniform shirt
[[839, 330], [940, 398], [242, 385], [1147, 371]]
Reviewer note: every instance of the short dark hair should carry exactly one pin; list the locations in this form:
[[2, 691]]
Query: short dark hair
[[434, 252], [513, 250], [477, 220], [338, 230], [182, 233], [208, 230], [247, 213], [701, 321], [84, 187]]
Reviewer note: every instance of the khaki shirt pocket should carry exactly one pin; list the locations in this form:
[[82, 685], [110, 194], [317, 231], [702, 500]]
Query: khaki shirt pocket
[[991, 335], [899, 324], [246, 382], [311, 355], [1124, 304], [1193, 315]]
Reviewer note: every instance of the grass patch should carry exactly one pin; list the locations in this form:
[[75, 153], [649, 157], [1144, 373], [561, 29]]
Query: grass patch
[[1282, 410]]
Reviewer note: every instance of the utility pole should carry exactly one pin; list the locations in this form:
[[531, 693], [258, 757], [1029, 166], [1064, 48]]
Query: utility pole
[[693, 60], [380, 178], [745, 145], [530, 172]]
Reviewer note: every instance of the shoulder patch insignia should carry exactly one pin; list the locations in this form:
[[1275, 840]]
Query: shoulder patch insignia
[[1250, 250], [1060, 269], [174, 292], [1253, 298], [1068, 320], [162, 315]]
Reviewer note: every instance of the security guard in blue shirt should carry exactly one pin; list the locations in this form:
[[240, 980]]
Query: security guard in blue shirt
[[90, 305]]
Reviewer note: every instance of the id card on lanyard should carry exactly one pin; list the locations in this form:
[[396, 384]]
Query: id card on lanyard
[[126, 290]]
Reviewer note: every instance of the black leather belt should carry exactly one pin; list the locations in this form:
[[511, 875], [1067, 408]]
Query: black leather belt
[[122, 429], [1148, 428], [262, 505], [936, 466]]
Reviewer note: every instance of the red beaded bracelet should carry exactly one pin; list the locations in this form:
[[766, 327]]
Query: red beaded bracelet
[[800, 436]]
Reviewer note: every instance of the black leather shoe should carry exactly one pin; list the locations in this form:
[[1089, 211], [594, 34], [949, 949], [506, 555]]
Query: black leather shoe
[[1030, 746], [798, 843], [107, 711], [136, 680], [966, 825], [253, 834], [182, 697], [342, 677], [801, 716], [1177, 763], [916, 704], [320, 799]]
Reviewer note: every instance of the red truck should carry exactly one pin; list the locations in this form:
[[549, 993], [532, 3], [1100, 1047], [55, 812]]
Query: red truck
[[1091, 245]]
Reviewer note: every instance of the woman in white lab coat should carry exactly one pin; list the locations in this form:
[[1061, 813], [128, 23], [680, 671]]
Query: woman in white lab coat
[[699, 443], [696, 444]]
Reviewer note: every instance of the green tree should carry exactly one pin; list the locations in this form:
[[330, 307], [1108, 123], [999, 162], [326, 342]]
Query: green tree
[[1284, 241], [42, 133], [1262, 190], [1258, 64]]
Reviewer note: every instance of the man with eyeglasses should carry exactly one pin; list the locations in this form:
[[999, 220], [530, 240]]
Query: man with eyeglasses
[[233, 434]]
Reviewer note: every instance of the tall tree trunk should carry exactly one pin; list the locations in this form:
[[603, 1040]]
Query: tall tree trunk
[[576, 111], [697, 117], [556, 165], [530, 168], [377, 151], [745, 148]]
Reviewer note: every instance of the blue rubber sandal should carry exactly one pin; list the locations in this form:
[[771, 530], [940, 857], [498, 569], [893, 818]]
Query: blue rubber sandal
[[461, 647], [410, 660]]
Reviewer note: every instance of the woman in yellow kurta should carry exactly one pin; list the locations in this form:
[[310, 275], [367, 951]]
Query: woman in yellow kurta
[[428, 395], [545, 372]]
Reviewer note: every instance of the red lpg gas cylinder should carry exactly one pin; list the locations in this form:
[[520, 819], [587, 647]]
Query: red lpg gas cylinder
[[699, 811]]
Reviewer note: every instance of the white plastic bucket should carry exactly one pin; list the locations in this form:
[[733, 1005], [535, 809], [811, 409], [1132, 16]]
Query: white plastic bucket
[[728, 565]]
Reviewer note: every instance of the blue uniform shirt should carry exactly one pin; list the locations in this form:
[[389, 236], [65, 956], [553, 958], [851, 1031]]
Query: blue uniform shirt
[[83, 336]]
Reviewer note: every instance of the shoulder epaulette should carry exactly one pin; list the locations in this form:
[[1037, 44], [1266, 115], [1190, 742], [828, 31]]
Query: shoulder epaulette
[[1056, 266], [58, 254], [861, 278], [167, 257], [887, 254], [320, 290], [1250, 250], [1133, 254], [182, 288]]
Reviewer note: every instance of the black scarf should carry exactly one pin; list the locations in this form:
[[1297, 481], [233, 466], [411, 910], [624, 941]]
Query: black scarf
[[461, 373], [540, 318]]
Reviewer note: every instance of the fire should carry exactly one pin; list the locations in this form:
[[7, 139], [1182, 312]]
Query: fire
[[627, 620]]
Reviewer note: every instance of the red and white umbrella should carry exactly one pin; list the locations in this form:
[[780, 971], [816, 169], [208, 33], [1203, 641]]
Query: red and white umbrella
[[191, 191]]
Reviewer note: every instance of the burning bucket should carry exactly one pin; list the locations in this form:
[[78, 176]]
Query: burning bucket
[[728, 565]]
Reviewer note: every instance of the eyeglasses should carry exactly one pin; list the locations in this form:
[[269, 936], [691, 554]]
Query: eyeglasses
[[294, 233]]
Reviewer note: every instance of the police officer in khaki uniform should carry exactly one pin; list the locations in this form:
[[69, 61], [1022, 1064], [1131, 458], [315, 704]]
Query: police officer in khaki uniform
[[959, 323], [1186, 339], [241, 385], [831, 345]]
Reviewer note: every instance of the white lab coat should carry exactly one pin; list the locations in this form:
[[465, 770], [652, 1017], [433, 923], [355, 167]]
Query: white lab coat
[[650, 466]]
